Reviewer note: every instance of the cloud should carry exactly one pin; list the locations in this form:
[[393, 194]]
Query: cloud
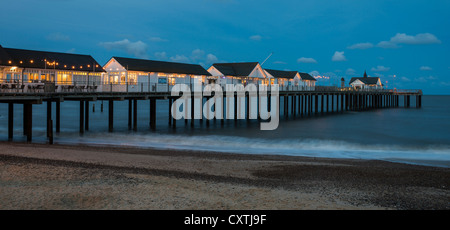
[[58, 37], [425, 68], [387, 45], [280, 62], [361, 46], [71, 51], [157, 39], [425, 79], [255, 38], [137, 49], [350, 71], [418, 39], [314, 73], [402, 38], [338, 56], [197, 54], [211, 58], [161, 55], [306, 60], [180, 58], [405, 79], [380, 68]]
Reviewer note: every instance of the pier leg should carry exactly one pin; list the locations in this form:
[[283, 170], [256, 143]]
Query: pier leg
[[310, 105], [293, 105], [86, 117], [81, 117], [130, 113], [10, 121], [58, 116], [316, 103], [49, 116], [29, 120], [332, 103], [170, 108], [192, 109], [322, 103], [153, 114], [174, 122], [135, 115], [110, 115]]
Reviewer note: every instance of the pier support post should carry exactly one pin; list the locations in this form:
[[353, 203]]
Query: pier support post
[[58, 116], [170, 114], [130, 113], [316, 104], [153, 114], [81, 117], [49, 116], [86, 117], [332, 103], [134, 115], [322, 97], [28, 118], [110, 115], [10, 121]]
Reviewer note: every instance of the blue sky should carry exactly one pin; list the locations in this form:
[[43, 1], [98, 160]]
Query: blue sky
[[405, 39]]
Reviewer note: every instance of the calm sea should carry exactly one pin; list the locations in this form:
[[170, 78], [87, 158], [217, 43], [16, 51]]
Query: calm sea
[[416, 136]]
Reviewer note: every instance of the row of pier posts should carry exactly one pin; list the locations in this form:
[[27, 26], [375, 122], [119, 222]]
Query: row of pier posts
[[296, 105]]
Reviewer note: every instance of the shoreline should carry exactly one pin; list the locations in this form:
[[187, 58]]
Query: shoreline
[[40, 176]]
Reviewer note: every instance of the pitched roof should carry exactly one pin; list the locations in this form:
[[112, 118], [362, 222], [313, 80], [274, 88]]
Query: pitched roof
[[307, 77], [161, 66], [366, 80], [4, 57], [236, 69], [281, 73], [52, 60]]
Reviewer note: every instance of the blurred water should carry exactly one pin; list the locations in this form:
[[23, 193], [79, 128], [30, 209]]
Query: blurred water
[[419, 136]]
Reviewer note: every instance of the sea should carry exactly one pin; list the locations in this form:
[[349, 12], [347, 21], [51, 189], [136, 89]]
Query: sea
[[406, 135]]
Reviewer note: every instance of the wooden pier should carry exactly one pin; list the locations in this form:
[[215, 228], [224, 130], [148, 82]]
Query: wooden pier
[[296, 104]]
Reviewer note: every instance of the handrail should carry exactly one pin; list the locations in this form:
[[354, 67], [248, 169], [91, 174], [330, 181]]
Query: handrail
[[7, 86]]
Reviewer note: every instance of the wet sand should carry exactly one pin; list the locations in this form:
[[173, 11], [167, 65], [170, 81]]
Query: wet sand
[[39, 176]]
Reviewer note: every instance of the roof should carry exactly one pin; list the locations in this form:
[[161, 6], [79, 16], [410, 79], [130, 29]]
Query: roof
[[161, 66], [236, 69], [51, 60], [307, 77], [281, 73], [366, 80], [4, 57]]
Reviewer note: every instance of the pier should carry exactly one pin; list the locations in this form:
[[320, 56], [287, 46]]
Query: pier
[[293, 103]]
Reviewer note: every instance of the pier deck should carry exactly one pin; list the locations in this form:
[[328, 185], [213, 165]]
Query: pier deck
[[297, 103]]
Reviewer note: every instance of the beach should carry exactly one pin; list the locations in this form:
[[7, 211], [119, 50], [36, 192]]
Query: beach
[[61, 177]]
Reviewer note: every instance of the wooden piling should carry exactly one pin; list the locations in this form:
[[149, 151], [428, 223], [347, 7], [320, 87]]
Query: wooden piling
[[49, 116], [58, 116], [86, 117], [110, 115], [81, 117], [153, 113], [10, 121], [135, 115]]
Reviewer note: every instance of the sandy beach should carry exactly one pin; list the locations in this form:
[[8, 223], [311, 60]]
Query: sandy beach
[[39, 176]]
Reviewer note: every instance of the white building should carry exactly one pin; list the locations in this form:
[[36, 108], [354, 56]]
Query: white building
[[29, 71], [366, 82], [140, 75], [291, 80], [239, 73]]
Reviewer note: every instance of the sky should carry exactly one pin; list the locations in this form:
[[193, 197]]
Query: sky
[[404, 42]]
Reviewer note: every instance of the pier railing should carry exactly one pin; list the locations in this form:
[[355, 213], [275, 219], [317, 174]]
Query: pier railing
[[149, 87]]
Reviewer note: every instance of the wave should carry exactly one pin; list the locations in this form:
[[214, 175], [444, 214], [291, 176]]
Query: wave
[[425, 155]]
